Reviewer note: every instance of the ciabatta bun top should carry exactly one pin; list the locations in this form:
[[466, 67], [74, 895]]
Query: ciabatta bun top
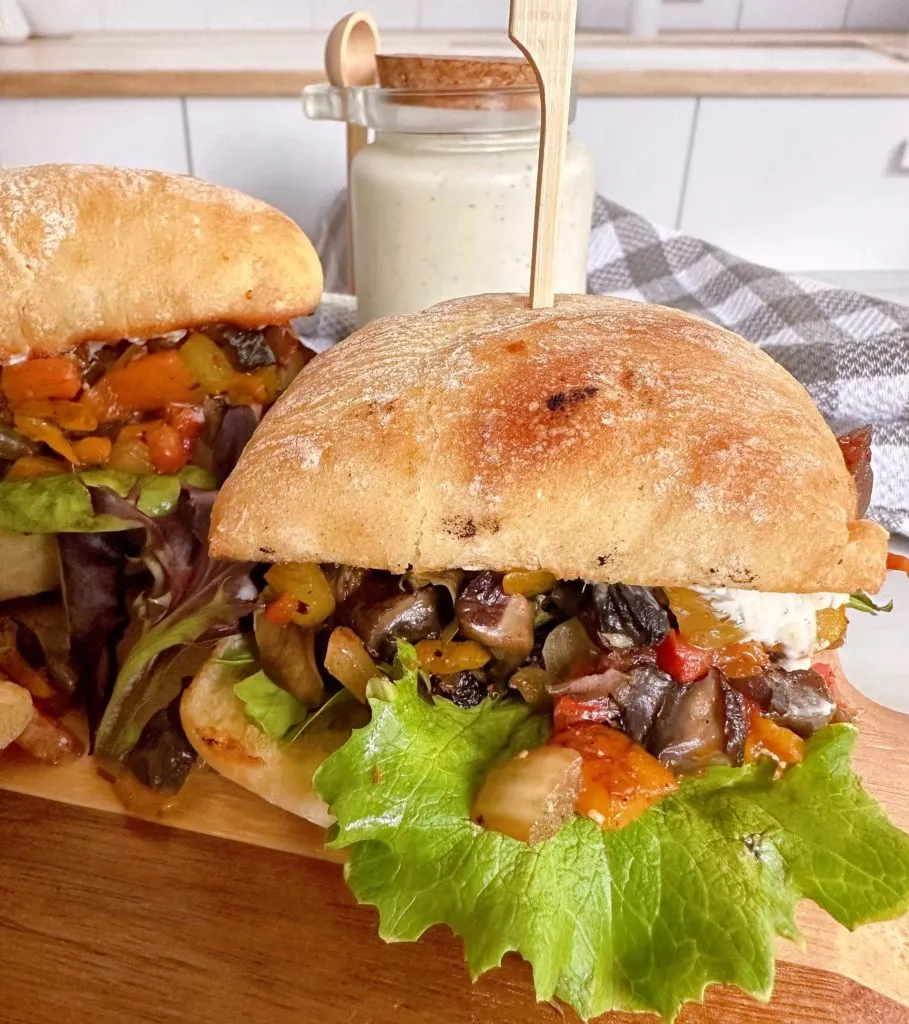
[[603, 439], [91, 253]]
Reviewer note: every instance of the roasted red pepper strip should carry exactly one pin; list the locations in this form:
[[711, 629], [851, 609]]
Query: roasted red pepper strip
[[570, 710], [281, 611], [898, 563], [682, 660], [826, 673]]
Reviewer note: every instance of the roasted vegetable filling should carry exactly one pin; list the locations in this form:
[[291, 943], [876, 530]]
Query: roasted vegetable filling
[[117, 450], [640, 684], [150, 408]]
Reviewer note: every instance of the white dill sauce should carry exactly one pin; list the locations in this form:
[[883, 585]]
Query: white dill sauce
[[786, 621], [436, 217]]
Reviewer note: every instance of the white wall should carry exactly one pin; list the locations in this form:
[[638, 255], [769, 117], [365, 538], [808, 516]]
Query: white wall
[[128, 15]]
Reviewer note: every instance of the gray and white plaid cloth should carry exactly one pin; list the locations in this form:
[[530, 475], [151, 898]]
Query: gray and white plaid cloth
[[851, 351]]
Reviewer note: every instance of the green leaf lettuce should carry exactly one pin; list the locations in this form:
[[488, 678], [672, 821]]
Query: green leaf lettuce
[[692, 893], [271, 709], [63, 504]]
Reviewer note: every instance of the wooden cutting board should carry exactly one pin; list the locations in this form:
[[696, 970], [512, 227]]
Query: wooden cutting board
[[876, 955]]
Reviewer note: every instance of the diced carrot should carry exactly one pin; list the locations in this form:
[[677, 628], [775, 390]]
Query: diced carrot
[[46, 433], [93, 451], [30, 467], [281, 611], [57, 377], [147, 383], [166, 449]]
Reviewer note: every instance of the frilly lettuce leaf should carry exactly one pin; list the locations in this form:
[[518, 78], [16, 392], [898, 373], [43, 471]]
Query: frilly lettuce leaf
[[692, 893]]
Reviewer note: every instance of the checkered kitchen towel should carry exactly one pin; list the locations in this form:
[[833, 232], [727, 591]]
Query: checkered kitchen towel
[[850, 351]]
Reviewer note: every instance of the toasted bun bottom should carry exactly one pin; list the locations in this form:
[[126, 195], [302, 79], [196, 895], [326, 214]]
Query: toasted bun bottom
[[281, 773]]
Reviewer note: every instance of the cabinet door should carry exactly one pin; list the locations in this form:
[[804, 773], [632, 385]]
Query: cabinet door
[[640, 147], [124, 132], [268, 148], [803, 183]]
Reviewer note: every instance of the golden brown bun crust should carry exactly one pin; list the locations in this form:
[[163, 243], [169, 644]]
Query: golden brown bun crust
[[91, 253], [603, 439], [281, 773]]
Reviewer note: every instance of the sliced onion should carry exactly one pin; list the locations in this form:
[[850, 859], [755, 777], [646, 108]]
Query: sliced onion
[[349, 662], [599, 684], [567, 644], [288, 655], [531, 796], [48, 740], [533, 684]]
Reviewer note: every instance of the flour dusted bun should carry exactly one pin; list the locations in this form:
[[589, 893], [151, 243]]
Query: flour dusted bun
[[602, 439], [91, 253]]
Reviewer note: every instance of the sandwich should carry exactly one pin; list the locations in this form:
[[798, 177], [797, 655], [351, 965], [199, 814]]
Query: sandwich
[[145, 329], [546, 635]]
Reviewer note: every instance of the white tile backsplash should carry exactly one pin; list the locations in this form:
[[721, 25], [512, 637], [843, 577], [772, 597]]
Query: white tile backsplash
[[825, 15], [125, 132], [464, 14], [701, 15], [878, 14], [640, 149], [602, 14], [231, 15], [388, 13], [159, 15], [268, 148], [610, 15]]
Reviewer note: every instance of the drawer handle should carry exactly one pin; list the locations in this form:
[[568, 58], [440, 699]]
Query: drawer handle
[[898, 164]]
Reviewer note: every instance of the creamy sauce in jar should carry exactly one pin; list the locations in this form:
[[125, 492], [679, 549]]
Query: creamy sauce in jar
[[788, 621], [441, 216]]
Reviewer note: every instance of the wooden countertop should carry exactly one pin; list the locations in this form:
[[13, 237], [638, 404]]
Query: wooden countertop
[[281, 63], [105, 920]]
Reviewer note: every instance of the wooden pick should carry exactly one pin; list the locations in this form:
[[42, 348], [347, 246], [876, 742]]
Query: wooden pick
[[544, 32], [350, 60]]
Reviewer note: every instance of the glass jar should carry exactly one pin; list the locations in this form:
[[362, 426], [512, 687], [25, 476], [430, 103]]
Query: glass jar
[[442, 202]]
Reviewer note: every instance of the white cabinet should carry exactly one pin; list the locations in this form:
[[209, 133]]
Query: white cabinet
[[126, 132], [803, 183], [268, 148], [640, 147]]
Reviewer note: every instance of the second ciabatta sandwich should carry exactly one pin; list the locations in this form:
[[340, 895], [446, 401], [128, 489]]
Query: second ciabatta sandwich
[[144, 328], [584, 570]]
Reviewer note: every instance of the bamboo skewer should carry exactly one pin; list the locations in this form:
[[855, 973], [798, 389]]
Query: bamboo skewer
[[544, 31]]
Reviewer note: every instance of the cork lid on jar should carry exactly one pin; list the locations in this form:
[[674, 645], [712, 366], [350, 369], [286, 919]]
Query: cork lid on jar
[[464, 83]]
